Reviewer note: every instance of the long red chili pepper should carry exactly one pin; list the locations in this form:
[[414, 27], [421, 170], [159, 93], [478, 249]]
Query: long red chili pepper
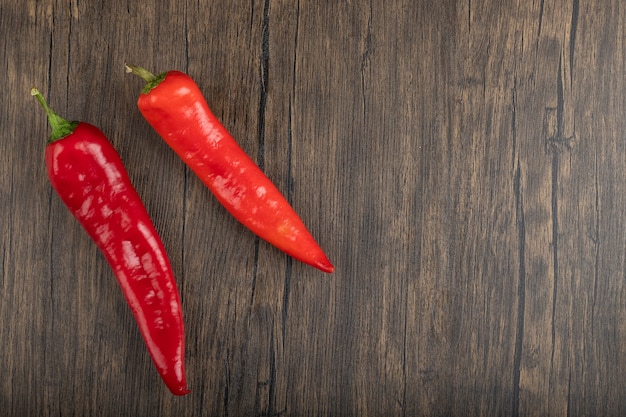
[[172, 103], [88, 174]]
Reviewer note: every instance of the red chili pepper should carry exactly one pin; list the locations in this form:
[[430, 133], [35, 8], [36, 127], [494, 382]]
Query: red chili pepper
[[88, 174], [174, 106]]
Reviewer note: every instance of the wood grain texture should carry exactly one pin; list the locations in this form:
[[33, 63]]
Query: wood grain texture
[[463, 163]]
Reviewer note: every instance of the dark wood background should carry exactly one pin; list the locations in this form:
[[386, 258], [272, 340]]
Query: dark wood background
[[463, 163]]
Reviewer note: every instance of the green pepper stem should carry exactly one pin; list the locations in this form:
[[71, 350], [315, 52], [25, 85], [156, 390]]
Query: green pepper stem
[[142, 72], [151, 80], [60, 126]]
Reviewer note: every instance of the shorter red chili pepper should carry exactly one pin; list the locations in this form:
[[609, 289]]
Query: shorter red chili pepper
[[89, 176], [174, 106]]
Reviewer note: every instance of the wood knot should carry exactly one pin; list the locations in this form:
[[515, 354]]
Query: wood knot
[[555, 140]]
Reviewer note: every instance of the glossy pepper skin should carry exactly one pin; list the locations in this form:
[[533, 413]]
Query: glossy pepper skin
[[88, 175], [174, 106]]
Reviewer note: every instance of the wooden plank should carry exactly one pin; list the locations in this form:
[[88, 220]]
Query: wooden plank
[[462, 163]]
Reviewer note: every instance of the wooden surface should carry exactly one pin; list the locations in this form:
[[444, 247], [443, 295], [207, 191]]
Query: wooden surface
[[463, 164]]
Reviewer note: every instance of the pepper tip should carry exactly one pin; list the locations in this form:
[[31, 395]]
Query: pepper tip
[[179, 390], [182, 392], [324, 265]]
